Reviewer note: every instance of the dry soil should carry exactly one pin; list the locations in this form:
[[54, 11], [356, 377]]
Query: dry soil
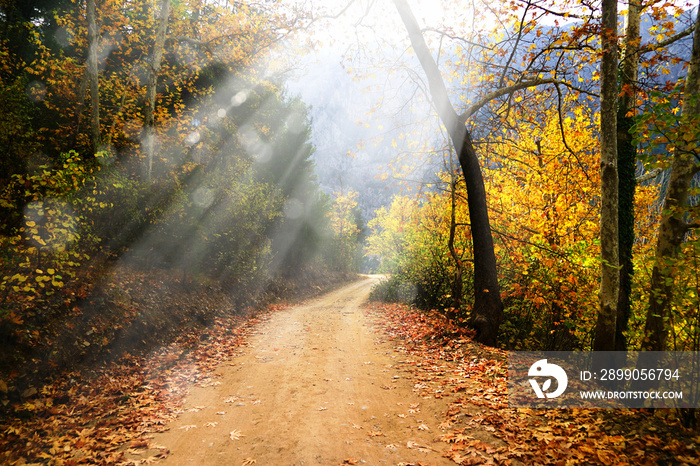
[[316, 385]]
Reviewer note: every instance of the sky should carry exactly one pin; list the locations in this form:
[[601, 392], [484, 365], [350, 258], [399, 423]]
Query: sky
[[361, 120]]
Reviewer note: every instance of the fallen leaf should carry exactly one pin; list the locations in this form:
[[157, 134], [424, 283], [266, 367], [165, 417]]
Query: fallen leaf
[[138, 444]]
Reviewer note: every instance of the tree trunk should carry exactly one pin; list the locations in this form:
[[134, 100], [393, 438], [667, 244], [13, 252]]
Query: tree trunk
[[609, 273], [93, 77], [673, 226], [156, 59], [457, 288], [627, 165], [487, 312]]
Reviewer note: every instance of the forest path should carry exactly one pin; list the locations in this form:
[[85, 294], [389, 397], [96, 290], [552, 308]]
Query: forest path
[[316, 385]]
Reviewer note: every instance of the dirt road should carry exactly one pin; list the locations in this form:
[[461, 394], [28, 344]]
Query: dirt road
[[315, 385]]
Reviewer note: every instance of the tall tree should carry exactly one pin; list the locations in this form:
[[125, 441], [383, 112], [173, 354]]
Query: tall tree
[[487, 312], [627, 166], [154, 69], [93, 76], [675, 219], [609, 273]]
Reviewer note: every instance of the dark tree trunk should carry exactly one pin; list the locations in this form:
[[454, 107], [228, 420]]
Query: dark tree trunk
[[627, 165], [487, 313]]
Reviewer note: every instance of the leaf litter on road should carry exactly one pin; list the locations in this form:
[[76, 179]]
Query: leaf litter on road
[[480, 428]]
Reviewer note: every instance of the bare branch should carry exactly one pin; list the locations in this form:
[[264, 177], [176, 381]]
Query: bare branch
[[556, 13], [560, 104], [340, 13], [515, 46], [457, 38]]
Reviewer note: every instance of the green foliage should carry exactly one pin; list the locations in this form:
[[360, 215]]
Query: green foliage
[[55, 236], [411, 240], [343, 251], [394, 290], [17, 138]]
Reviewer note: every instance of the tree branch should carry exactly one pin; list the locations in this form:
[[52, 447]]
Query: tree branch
[[664, 43], [515, 47], [456, 38], [649, 175], [437, 87], [555, 13]]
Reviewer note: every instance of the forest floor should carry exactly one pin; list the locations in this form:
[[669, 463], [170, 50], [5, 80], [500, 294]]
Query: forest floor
[[329, 381]]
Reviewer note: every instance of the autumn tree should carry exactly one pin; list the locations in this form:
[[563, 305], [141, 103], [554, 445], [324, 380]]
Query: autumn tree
[[627, 166], [677, 218], [609, 281], [487, 311], [92, 75], [346, 231], [633, 52]]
